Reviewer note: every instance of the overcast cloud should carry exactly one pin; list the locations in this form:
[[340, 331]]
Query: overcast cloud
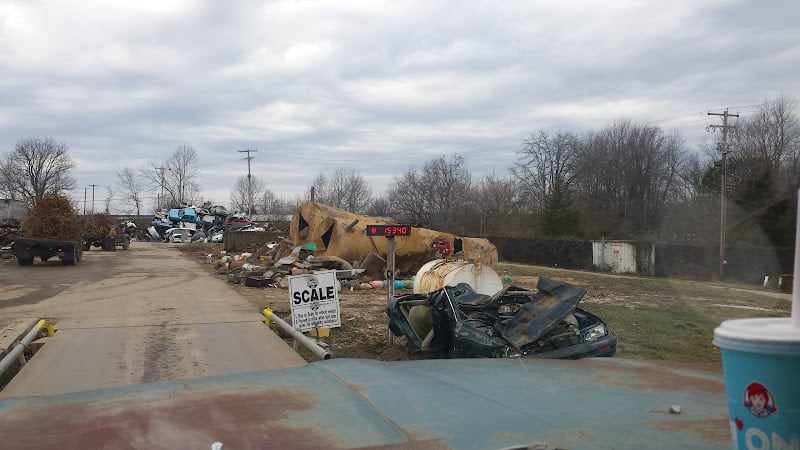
[[374, 86]]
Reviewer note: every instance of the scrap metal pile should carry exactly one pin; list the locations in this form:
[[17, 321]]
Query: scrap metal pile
[[197, 223], [457, 322]]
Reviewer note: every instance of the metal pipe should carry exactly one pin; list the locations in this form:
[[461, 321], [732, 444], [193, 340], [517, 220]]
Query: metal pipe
[[16, 352], [300, 337]]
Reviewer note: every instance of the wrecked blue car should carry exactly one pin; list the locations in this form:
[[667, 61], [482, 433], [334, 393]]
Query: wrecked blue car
[[457, 322]]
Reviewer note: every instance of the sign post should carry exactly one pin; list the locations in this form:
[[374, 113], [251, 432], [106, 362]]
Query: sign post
[[314, 301], [389, 231]]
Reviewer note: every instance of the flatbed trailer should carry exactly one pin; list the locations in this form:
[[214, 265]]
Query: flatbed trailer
[[26, 249]]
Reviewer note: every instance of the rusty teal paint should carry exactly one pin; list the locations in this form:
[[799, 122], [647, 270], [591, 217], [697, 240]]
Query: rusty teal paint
[[461, 403]]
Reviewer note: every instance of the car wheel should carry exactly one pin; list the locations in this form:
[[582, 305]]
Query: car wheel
[[25, 261]]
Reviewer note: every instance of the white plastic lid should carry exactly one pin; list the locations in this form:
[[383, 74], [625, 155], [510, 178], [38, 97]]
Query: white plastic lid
[[772, 329]]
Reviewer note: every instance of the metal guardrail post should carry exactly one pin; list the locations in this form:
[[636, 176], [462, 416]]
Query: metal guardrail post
[[16, 352], [298, 336]]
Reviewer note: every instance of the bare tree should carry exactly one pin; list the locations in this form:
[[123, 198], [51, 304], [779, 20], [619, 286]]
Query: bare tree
[[273, 207], [433, 196], [628, 173], [493, 206], [183, 163], [546, 163], [768, 141], [109, 198], [35, 168], [344, 189], [132, 187], [380, 207], [176, 177], [240, 200]]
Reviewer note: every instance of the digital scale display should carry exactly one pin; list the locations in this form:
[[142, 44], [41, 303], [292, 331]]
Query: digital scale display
[[388, 230]]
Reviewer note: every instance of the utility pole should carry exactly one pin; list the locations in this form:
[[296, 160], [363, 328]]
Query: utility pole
[[249, 182], [84, 200], [161, 197], [723, 185], [93, 186]]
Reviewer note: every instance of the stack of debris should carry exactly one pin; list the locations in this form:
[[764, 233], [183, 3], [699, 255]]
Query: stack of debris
[[269, 265]]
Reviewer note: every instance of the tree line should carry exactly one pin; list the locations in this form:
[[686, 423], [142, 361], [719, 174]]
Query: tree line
[[628, 180]]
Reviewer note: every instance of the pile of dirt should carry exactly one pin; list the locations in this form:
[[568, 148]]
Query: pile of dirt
[[53, 217]]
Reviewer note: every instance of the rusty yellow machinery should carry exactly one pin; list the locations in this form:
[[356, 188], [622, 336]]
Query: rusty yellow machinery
[[336, 232]]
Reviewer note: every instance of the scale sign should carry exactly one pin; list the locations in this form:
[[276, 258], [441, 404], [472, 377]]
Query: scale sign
[[314, 301]]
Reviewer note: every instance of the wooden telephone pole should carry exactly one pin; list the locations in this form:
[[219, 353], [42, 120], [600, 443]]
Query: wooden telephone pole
[[249, 183], [723, 185]]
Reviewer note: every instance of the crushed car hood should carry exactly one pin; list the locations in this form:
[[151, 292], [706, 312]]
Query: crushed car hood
[[545, 308]]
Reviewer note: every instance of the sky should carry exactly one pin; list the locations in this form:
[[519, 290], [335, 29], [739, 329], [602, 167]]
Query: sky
[[377, 87]]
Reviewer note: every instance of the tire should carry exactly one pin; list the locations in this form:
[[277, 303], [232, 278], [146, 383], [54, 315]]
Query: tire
[[69, 260], [87, 247], [125, 246], [25, 261]]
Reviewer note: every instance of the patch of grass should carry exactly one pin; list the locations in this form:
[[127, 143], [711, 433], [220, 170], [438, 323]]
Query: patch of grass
[[655, 333], [662, 318]]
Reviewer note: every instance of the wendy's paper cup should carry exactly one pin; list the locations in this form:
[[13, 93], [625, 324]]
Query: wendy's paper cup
[[760, 363]]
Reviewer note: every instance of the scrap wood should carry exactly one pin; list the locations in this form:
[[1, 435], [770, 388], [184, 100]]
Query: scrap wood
[[53, 217], [97, 225]]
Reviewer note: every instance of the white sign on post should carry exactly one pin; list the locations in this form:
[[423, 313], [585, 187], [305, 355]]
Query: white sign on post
[[314, 300]]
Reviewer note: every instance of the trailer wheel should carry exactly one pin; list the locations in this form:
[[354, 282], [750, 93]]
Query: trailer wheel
[[69, 261], [25, 261]]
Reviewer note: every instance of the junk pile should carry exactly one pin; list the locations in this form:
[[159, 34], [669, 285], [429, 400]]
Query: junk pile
[[457, 322], [325, 238], [270, 264], [192, 223]]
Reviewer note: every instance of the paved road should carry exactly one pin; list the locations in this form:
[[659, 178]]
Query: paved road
[[128, 317]]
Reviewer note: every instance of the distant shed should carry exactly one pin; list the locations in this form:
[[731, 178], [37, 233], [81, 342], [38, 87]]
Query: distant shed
[[624, 257]]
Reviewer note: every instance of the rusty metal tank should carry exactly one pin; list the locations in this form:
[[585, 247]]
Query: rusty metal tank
[[337, 232], [439, 273]]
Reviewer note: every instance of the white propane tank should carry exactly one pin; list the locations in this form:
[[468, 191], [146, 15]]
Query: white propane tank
[[439, 273]]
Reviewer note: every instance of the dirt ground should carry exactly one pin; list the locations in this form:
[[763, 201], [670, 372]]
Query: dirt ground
[[364, 330], [363, 333]]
